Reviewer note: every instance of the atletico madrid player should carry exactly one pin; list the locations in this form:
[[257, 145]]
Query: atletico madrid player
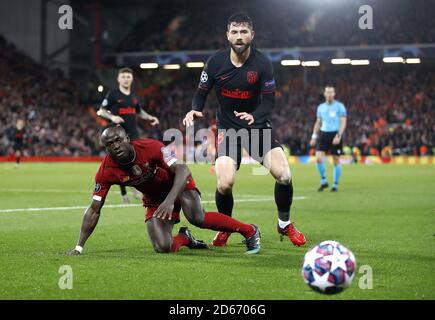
[[167, 187], [245, 89]]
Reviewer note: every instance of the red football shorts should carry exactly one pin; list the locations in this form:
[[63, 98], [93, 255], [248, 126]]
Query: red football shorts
[[175, 215], [177, 206]]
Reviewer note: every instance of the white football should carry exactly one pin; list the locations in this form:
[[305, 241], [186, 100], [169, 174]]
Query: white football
[[329, 267]]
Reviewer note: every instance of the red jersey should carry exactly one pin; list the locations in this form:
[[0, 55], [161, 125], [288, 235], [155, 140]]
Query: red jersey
[[149, 173]]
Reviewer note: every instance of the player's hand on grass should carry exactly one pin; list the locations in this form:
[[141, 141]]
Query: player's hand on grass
[[245, 116], [117, 119], [336, 140], [72, 252], [164, 210], [188, 119], [154, 121]]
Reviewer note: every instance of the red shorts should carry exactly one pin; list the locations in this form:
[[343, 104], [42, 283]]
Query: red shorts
[[175, 215], [177, 206]]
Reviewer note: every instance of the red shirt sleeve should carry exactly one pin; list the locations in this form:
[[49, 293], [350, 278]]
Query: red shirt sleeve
[[163, 156], [102, 185]]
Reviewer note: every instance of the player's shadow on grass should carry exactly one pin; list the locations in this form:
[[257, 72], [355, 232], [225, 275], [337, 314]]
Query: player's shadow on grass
[[274, 256]]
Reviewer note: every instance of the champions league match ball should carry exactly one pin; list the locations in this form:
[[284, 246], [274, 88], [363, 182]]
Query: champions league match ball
[[329, 267]]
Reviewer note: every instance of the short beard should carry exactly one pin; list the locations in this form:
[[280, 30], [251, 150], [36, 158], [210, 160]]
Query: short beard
[[240, 50]]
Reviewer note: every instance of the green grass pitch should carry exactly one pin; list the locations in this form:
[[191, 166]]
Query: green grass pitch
[[384, 214]]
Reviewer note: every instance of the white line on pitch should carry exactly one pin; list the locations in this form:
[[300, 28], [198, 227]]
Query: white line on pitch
[[43, 190], [124, 205], [90, 192]]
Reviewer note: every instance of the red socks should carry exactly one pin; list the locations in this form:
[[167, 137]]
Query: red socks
[[220, 222], [178, 241]]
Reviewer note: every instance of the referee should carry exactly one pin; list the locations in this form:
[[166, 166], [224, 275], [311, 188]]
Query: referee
[[327, 136]]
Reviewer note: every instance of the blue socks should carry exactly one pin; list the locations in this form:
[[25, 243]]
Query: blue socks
[[337, 174], [321, 167]]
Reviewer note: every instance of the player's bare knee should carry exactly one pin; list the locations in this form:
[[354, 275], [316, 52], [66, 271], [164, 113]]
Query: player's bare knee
[[284, 178], [225, 187], [162, 248]]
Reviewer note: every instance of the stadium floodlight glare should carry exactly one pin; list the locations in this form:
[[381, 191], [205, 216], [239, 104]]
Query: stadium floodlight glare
[[195, 64], [171, 66], [340, 61], [363, 62], [100, 88], [149, 65], [413, 60], [393, 60], [290, 62], [312, 63]]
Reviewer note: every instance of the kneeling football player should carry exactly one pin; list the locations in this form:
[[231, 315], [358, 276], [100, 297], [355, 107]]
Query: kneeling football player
[[167, 186]]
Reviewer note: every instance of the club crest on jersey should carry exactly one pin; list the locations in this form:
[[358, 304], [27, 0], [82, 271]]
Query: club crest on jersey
[[252, 77], [135, 101], [136, 170]]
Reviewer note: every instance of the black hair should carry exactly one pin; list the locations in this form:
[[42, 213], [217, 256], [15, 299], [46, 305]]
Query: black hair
[[125, 70], [240, 18]]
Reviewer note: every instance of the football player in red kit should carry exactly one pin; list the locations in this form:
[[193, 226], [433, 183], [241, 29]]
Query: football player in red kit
[[167, 186]]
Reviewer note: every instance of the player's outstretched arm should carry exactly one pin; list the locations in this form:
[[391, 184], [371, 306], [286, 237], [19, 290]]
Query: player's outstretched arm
[[182, 173], [206, 83], [146, 116], [90, 220], [106, 114]]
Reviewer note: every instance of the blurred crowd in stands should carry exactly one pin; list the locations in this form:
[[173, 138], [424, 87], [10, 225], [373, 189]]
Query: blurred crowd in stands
[[56, 122], [391, 108], [171, 25]]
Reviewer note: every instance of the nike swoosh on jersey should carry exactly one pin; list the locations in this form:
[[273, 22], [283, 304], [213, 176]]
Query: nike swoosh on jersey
[[224, 77]]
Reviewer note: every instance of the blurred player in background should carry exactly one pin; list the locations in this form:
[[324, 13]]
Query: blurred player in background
[[327, 136], [245, 88], [121, 106], [167, 187], [19, 141]]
